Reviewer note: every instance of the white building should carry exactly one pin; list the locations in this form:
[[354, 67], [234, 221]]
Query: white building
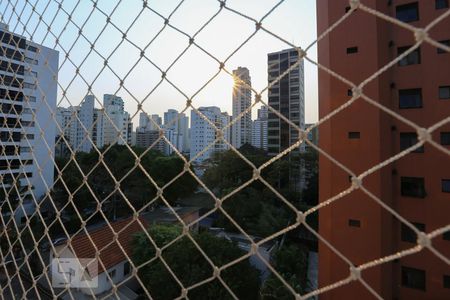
[[27, 132], [94, 277], [242, 100], [259, 130], [203, 134], [81, 125], [176, 130], [149, 122], [116, 121]]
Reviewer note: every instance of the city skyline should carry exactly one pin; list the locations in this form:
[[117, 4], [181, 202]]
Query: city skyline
[[283, 21]]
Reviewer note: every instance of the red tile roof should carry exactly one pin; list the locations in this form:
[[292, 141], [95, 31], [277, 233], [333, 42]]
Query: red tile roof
[[112, 254]]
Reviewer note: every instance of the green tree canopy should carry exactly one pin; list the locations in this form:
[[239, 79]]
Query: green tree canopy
[[191, 267]]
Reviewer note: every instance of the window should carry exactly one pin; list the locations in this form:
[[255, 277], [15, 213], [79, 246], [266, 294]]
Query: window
[[446, 281], [353, 135], [352, 50], [347, 9], [445, 138], [413, 278], [446, 43], [444, 92], [410, 98], [112, 273], [31, 61], [446, 185], [408, 235], [407, 12], [446, 235], [126, 268], [413, 187], [440, 4], [412, 58], [354, 223], [349, 93], [27, 85], [408, 139]]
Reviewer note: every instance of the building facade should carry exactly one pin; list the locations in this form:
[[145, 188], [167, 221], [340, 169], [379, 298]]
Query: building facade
[[176, 129], [242, 100], [259, 131], [82, 127], [28, 87], [360, 137], [203, 134], [287, 96], [117, 126]]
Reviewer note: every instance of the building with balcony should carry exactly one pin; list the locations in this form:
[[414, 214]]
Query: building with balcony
[[28, 86], [204, 134]]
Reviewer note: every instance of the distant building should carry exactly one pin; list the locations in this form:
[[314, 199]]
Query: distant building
[[259, 131], [145, 139], [27, 132], [149, 122], [242, 100], [287, 96], [176, 128], [116, 121], [81, 125], [203, 134]]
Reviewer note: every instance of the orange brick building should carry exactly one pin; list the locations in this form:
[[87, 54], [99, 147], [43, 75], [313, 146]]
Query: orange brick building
[[416, 186]]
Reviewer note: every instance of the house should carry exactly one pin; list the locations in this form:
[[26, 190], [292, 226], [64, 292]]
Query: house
[[93, 279]]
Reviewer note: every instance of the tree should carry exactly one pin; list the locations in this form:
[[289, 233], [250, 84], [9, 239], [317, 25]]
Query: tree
[[191, 267], [291, 262], [118, 165]]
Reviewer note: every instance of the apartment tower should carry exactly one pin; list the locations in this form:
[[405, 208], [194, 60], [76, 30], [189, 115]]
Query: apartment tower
[[362, 136], [242, 100], [287, 96], [28, 85]]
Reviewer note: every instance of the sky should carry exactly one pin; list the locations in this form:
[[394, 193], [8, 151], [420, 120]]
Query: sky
[[293, 20]]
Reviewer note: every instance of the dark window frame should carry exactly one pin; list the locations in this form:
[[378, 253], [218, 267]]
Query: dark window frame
[[352, 50], [410, 98], [354, 223], [420, 275], [413, 58], [444, 88], [440, 4], [408, 12], [353, 135], [408, 139], [408, 235], [407, 188], [445, 138], [445, 43], [445, 185]]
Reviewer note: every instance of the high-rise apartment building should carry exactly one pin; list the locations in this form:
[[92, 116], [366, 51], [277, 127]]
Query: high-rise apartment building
[[28, 74], [147, 138], [81, 125], [176, 127], [287, 96], [259, 131], [203, 134], [149, 122], [242, 100], [116, 121], [362, 136]]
